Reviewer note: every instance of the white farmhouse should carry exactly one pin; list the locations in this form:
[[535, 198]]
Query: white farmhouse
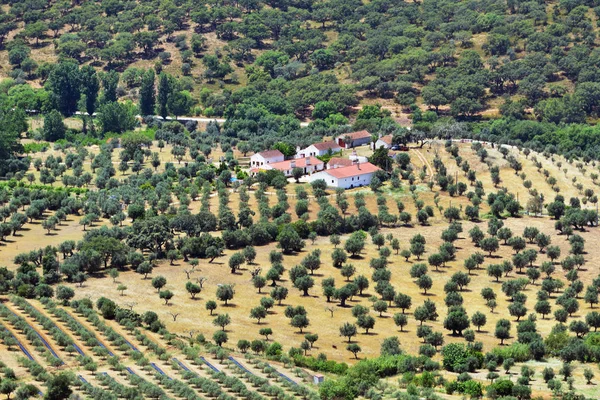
[[356, 175], [309, 165], [266, 157], [319, 149]]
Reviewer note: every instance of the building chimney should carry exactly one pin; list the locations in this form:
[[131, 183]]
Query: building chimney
[[307, 161], [358, 165], [292, 164]]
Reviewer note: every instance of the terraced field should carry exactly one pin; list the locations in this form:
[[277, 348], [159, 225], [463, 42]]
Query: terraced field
[[109, 361]]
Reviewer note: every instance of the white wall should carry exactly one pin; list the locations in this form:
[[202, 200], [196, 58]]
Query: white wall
[[360, 180], [309, 169], [345, 183], [257, 160], [309, 151], [380, 143], [313, 151]]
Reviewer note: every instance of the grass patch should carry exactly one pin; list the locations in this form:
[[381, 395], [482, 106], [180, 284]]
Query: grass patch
[[38, 147]]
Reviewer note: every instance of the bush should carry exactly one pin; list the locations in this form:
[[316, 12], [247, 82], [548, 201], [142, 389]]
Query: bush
[[274, 350], [116, 117], [318, 364], [500, 388], [459, 358], [35, 147], [518, 351], [54, 128], [471, 388]]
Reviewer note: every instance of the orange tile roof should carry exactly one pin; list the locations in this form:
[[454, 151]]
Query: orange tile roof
[[300, 163], [344, 162], [352, 170], [326, 145], [386, 139], [271, 153], [357, 135]]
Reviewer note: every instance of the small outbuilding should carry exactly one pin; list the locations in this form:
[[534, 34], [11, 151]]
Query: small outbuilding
[[384, 141], [319, 149], [266, 157], [353, 139]]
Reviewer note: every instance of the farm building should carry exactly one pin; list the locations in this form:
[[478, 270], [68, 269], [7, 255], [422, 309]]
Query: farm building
[[319, 149], [353, 139], [309, 165], [383, 141], [266, 157], [339, 162], [348, 177]]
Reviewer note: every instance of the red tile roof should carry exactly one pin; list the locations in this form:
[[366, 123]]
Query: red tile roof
[[353, 170], [386, 139], [356, 135], [327, 145], [343, 162], [300, 163], [271, 153]]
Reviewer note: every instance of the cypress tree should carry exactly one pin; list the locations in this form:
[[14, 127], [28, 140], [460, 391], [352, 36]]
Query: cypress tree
[[164, 91], [147, 93], [110, 81], [90, 87]]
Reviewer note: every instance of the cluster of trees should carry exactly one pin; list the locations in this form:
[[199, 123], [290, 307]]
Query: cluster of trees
[[400, 51], [12, 123], [391, 48]]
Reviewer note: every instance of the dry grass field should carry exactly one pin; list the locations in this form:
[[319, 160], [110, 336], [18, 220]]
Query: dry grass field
[[184, 315]]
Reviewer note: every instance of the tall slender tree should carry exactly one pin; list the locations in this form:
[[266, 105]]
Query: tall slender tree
[[110, 81], [147, 93], [90, 86], [164, 91]]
